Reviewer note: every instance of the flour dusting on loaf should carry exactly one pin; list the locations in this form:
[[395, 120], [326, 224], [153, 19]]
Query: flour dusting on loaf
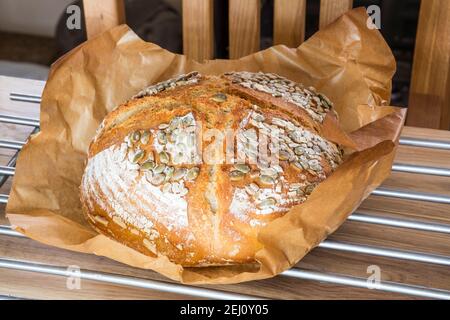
[[193, 167]]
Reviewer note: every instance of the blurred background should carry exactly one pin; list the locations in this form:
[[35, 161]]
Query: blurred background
[[33, 34]]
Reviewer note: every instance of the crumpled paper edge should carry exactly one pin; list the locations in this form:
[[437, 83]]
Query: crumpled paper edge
[[94, 244]]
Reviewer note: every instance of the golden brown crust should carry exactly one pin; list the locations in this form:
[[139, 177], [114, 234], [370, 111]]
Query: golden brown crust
[[159, 178]]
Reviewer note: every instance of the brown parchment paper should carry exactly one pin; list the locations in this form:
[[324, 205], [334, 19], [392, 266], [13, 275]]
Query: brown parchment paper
[[348, 62]]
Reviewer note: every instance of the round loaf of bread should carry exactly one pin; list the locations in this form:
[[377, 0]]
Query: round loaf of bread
[[193, 167]]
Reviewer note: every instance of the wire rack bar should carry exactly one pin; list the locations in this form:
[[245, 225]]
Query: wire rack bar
[[8, 171], [400, 223], [3, 198], [385, 252], [125, 281], [363, 283], [8, 231], [9, 144], [19, 120], [424, 143], [409, 195], [11, 163], [24, 97], [399, 167]]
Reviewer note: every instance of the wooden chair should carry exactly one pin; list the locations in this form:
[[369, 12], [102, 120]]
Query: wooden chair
[[429, 104]]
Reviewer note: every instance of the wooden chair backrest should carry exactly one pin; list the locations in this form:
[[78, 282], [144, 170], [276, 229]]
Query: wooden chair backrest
[[429, 104]]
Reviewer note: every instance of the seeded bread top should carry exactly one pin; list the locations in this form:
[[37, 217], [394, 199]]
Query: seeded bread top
[[194, 166]]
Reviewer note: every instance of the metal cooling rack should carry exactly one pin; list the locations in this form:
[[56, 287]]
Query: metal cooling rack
[[346, 280]]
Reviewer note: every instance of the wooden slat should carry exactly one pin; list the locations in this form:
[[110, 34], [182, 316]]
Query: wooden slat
[[198, 29], [424, 133], [244, 27], [429, 104], [330, 10], [289, 22], [102, 15]]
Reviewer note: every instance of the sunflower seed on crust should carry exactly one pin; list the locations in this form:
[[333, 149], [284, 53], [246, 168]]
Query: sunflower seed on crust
[[236, 175]]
